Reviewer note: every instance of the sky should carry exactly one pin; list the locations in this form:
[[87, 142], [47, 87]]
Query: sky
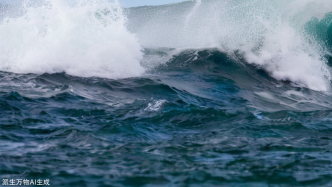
[[133, 3]]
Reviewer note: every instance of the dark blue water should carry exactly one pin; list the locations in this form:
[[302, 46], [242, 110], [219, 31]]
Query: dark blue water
[[223, 98], [204, 121]]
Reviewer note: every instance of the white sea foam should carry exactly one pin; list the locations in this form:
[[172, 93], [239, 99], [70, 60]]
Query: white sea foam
[[80, 37], [155, 106]]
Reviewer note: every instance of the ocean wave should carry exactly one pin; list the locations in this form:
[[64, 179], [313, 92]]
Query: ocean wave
[[291, 40], [276, 36]]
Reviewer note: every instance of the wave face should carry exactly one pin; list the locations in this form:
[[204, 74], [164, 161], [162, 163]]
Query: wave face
[[277, 36], [81, 38]]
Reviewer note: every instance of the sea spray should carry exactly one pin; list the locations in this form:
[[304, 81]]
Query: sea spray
[[270, 35], [81, 38], [193, 11]]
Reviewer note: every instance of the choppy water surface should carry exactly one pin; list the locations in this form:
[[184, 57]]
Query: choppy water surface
[[182, 124], [174, 113]]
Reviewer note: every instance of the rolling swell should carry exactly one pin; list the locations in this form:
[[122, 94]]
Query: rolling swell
[[253, 82]]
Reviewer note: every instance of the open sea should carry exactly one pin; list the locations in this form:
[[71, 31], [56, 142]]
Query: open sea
[[205, 93]]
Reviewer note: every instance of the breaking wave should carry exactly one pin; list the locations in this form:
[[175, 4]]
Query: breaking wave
[[81, 38], [289, 39]]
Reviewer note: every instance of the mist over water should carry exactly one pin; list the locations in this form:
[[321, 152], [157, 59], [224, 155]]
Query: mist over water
[[197, 93]]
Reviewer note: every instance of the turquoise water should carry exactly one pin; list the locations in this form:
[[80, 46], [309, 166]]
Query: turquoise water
[[195, 117]]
